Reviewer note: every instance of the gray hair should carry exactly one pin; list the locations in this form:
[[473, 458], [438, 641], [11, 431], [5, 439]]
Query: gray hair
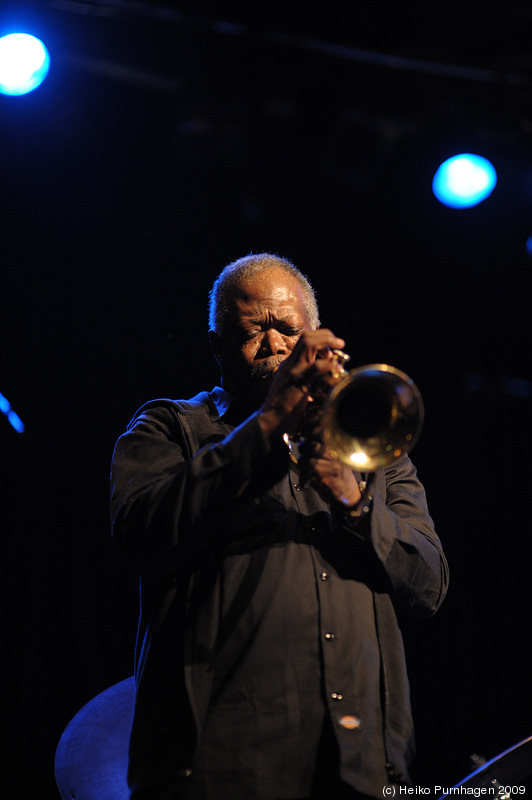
[[248, 267]]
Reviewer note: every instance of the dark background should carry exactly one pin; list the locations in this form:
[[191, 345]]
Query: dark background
[[170, 139]]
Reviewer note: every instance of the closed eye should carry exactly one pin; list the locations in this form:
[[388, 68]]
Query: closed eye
[[287, 331]]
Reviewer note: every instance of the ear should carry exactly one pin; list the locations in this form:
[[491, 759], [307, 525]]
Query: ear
[[216, 345]]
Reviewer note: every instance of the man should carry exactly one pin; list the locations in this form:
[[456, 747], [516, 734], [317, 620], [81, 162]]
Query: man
[[270, 663]]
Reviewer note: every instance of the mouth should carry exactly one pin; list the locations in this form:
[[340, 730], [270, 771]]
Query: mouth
[[265, 369]]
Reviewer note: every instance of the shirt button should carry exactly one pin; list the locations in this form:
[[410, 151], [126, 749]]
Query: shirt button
[[323, 576], [336, 696], [297, 487], [350, 722], [329, 635]]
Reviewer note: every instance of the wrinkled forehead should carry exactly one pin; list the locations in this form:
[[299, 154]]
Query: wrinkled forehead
[[271, 291]]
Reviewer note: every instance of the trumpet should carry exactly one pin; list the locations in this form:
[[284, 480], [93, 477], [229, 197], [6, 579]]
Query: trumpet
[[371, 416]]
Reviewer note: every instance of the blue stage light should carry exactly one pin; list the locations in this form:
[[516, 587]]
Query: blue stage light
[[464, 180], [24, 63], [12, 417]]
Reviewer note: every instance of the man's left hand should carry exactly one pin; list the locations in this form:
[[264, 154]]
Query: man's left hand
[[331, 472]]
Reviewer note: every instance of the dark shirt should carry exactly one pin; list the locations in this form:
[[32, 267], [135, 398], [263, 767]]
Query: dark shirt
[[265, 611]]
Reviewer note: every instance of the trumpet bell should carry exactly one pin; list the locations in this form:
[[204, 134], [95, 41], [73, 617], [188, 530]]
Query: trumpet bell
[[372, 417]]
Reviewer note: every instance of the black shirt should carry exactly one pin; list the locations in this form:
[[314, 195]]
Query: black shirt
[[264, 609]]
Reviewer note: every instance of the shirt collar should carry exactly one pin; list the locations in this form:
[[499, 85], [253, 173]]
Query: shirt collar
[[232, 408], [221, 399]]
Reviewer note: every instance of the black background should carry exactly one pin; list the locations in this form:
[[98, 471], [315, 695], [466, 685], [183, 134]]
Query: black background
[[170, 139]]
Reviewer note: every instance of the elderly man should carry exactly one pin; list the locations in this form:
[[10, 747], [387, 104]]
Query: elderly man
[[269, 662]]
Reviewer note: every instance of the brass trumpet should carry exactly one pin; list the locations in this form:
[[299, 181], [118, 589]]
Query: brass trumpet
[[371, 416]]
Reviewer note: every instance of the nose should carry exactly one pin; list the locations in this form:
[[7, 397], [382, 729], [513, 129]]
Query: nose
[[273, 344]]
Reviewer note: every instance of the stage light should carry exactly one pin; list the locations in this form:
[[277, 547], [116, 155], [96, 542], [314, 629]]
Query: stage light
[[24, 63], [464, 180], [12, 417]]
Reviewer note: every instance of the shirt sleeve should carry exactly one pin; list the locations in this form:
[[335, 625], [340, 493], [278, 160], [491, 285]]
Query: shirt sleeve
[[165, 500], [400, 531]]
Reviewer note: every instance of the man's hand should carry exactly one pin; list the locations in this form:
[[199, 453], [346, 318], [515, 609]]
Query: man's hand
[[339, 479], [292, 385]]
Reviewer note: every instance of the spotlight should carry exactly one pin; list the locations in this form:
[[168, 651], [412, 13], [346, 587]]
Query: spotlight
[[24, 63], [12, 417], [464, 180]]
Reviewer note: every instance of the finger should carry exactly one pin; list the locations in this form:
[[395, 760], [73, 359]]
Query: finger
[[321, 340], [312, 378]]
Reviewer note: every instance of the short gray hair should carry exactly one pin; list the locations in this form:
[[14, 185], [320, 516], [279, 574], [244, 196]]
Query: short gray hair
[[248, 267]]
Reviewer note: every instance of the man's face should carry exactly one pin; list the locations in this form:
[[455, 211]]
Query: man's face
[[268, 319]]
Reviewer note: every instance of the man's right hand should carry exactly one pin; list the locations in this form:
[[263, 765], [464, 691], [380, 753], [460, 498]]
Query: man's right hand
[[294, 379]]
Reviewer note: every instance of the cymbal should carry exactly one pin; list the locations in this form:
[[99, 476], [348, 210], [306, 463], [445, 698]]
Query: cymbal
[[507, 769], [91, 757]]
